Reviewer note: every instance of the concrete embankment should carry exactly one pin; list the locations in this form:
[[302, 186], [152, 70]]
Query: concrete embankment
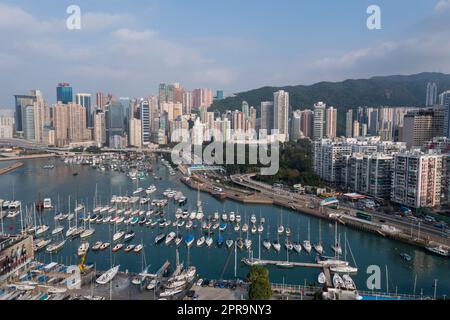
[[11, 167]]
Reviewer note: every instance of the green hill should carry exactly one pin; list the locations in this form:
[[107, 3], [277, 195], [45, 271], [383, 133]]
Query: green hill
[[395, 91]]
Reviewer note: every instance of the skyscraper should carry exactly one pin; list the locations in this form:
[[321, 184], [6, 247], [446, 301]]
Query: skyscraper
[[188, 102], [245, 109], [202, 98], [64, 93], [319, 120], [330, 123], [349, 123], [145, 122], [84, 100], [267, 116], [444, 100], [100, 128], [431, 94], [115, 123], [307, 123], [21, 102], [281, 114], [296, 125]]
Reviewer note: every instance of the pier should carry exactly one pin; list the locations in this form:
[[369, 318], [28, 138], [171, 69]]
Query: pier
[[11, 167]]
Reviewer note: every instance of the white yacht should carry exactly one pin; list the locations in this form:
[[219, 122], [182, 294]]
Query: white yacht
[[108, 275]]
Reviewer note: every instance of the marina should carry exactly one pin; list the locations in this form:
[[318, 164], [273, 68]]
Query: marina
[[162, 224]]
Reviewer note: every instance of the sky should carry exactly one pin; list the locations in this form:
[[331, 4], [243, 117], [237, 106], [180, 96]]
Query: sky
[[128, 47]]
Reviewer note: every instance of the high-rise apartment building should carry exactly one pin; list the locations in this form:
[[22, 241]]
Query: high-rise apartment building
[[319, 120], [330, 122], [281, 114], [349, 123]]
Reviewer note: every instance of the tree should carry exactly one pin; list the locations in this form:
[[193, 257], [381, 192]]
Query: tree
[[260, 288]]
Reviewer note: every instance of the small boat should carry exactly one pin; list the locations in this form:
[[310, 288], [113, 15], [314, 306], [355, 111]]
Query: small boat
[[307, 246], [232, 217], [338, 282], [97, 246], [276, 245], [280, 230], [138, 190], [41, 244], [117, 247], [138, 248], [209, 241], [267, 244], [106, 219], [130, 247], [220, 241], [297, 247], [229, 243], [57, 230], [118, 235], [71, 231], [152, 284], [87, 233], [223, 226], [159, 238], [56, 246], [405, 256], [348, 282], [253, 219], [439, 250], [128, 236], [240, 243], [247, 244], [104, 246], [319, 248], [83, 249], [169, 238], [201, 241], [321, 278], [224, 216], [254, 229], [238, 218], [178, 240], [189, 240], [108, 275], [260, 228], [237, 227], [41, 230], [244, 227], [288, 232]]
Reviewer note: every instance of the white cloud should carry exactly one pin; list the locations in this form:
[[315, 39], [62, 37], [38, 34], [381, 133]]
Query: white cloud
[[442, 5], [134, 35]]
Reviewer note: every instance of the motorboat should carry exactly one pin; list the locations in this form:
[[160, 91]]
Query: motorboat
[[118, 235], [338, 283], [307, 246], [229, 243], [169, 238], [159, 238], [129, 248], [128, 236], [189, 240], [117, 247], [201, 241], [97, 246]]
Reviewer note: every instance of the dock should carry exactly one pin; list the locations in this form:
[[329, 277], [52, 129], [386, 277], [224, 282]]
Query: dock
[[11, 167]]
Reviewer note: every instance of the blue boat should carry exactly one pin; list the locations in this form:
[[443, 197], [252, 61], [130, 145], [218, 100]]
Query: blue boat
[[189, 240], [223, 226], [220, 240]]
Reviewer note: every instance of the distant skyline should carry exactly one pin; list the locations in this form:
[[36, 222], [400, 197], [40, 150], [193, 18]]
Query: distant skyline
[[128, 48]]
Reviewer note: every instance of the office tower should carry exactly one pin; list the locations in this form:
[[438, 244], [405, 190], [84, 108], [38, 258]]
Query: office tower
[[84, 99], [417, 179], [281, 114], [135, 136], [296, 132], [245, 109], [373, 123], [421, 126], [21, 102], [28, 123], [267, 116], [219, 95], [349, 123], [202, 98], [146, 120], [188, 102], [330, 122], [115, 124], [431, 94], [100, 128], [163, 93], [64, 93], [355, 129], [319, 120]]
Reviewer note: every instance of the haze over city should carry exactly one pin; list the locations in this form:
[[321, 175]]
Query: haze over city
[[233, 45]]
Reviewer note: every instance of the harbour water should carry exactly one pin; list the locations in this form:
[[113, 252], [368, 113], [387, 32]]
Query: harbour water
[[31, 182]]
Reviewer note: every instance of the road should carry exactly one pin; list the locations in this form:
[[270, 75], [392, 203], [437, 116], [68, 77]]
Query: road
[[291, 199]]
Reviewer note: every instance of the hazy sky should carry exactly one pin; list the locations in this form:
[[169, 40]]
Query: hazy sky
[[128, 47]]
